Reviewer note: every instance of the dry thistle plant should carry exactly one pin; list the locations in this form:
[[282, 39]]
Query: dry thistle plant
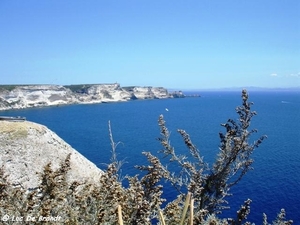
[[210, 186], [202, 190]]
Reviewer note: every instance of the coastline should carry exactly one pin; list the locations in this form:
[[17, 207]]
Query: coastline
[[14, 97]]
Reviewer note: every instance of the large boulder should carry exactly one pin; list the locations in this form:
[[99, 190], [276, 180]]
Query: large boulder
[[26, 147]]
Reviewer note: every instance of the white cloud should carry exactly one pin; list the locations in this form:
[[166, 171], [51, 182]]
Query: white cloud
[[286, 75], [295, 75]]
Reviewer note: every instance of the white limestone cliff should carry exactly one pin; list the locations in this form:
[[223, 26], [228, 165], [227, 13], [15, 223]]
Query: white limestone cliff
[[149, 92], [26, 96], [26, 147], [35, 96], [105, 93]]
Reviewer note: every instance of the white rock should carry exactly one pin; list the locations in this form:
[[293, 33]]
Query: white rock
[[26, 147], [26, 96]]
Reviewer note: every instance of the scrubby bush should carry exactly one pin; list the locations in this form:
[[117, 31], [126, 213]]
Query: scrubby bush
[[202, 190]]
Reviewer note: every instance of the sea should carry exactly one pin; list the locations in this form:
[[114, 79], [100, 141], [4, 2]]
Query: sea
[[274, 182]]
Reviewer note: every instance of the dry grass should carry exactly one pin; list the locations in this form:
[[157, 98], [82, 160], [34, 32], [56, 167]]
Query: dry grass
[[18, 129]]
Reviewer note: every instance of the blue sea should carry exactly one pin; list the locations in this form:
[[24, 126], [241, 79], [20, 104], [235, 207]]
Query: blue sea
[[273, 184]]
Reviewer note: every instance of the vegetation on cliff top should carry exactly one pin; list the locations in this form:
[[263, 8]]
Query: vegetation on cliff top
[[78, 88], [9, 87]]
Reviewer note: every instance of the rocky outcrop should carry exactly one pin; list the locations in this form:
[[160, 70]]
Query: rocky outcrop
[[98, 93], [148, 92], [26, 147], [35, 96], [25, 96]]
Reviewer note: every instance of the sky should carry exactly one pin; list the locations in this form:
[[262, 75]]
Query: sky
[[174, 44]]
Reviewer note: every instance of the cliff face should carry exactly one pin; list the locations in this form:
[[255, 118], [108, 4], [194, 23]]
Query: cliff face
[[34, 96], [26, 147], [103, 93], [149, 92], [26, 96]]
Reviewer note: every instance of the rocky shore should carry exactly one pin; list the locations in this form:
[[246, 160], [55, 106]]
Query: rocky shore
[[27, 96]]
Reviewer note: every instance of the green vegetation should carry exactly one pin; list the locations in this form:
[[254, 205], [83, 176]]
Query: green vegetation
[[106, 94], [129, 88], [9, 87], [201, 189], [78, 88]]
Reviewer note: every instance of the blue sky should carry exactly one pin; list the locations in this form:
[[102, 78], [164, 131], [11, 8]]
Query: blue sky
[[174, 44]]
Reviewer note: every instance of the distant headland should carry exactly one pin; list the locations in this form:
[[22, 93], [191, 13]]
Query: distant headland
[[28, 96]]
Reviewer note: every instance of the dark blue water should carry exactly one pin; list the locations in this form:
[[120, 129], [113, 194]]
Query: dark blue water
[[272, 185]]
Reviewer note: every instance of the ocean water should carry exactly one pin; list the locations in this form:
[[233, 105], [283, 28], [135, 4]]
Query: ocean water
[[273, 184]]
